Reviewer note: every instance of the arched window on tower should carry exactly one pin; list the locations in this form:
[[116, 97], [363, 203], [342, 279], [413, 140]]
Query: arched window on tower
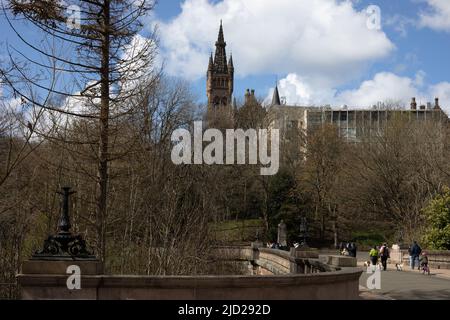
[[216, 101], [224, 101]]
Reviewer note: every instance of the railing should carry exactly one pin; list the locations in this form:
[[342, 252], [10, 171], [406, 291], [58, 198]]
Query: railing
[[316, 266], [275, 261]]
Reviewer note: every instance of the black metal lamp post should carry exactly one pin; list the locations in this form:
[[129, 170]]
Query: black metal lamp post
[[64, 245], [303, 231], [64, 221]]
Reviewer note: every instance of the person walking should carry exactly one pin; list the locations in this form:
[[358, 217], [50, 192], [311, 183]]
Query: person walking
[[354, 249], [341, 248], [410, 256], [373, 255], [416, 250], [384, 255]]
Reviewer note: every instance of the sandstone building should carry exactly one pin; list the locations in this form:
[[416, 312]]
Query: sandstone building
[[352, 124]]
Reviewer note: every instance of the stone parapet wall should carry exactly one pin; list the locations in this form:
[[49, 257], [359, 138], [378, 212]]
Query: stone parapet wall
[[282, 275], [338, 261], [437, 259], [340, 285], [276, 261]]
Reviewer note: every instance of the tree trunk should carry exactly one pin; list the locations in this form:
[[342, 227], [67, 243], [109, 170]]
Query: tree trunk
[[333, 214], [104, 136], [322, 227], [335, 234], [266, 212]]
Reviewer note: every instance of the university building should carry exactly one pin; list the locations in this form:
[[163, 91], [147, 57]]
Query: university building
[[352, 124]]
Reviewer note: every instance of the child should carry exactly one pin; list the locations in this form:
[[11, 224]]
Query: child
[[424, 263]]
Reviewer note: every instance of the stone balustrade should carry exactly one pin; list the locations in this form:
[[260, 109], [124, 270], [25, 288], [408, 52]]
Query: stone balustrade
[[279, 275], [436, 259]]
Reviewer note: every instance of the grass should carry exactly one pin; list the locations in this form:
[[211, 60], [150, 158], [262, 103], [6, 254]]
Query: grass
[[238, 230], [367, 239]]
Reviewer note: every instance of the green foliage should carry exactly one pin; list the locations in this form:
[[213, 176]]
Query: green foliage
[[285, 203], [367, 238], [437, 215], [238, 231]]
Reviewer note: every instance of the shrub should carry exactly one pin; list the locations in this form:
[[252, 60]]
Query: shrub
[[437, 215]]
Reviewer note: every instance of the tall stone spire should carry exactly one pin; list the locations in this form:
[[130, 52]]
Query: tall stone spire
[[221, 38], [220, 79], [220, 59], [276, 101]]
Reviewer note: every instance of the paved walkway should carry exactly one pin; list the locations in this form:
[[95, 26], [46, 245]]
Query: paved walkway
[[408, 284]]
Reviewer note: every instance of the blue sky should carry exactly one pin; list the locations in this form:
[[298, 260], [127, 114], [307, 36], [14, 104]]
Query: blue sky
[[321, 52], [417, 60]]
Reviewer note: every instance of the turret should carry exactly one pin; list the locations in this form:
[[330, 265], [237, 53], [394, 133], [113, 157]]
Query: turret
[[211, 63], [276, 101], [231, 65]]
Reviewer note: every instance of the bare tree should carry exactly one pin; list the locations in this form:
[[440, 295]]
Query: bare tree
[[393, 173], [325, 152], [101, 57]]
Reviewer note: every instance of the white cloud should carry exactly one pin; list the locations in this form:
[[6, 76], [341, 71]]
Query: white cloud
[[297, 90], [139, 61], [442, 91], [326, 38], [438, 15], [385, 86]]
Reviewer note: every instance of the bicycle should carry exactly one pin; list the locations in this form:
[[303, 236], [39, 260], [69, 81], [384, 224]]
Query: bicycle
[[425, 269]]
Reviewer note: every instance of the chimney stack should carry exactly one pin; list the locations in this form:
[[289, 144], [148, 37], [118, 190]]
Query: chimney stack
[[413, 104], [247, 96], [436, 104], [250, 96]]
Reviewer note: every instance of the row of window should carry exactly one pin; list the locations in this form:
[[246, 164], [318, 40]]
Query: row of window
[[220, 101], [221, 82], [372, 116]]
